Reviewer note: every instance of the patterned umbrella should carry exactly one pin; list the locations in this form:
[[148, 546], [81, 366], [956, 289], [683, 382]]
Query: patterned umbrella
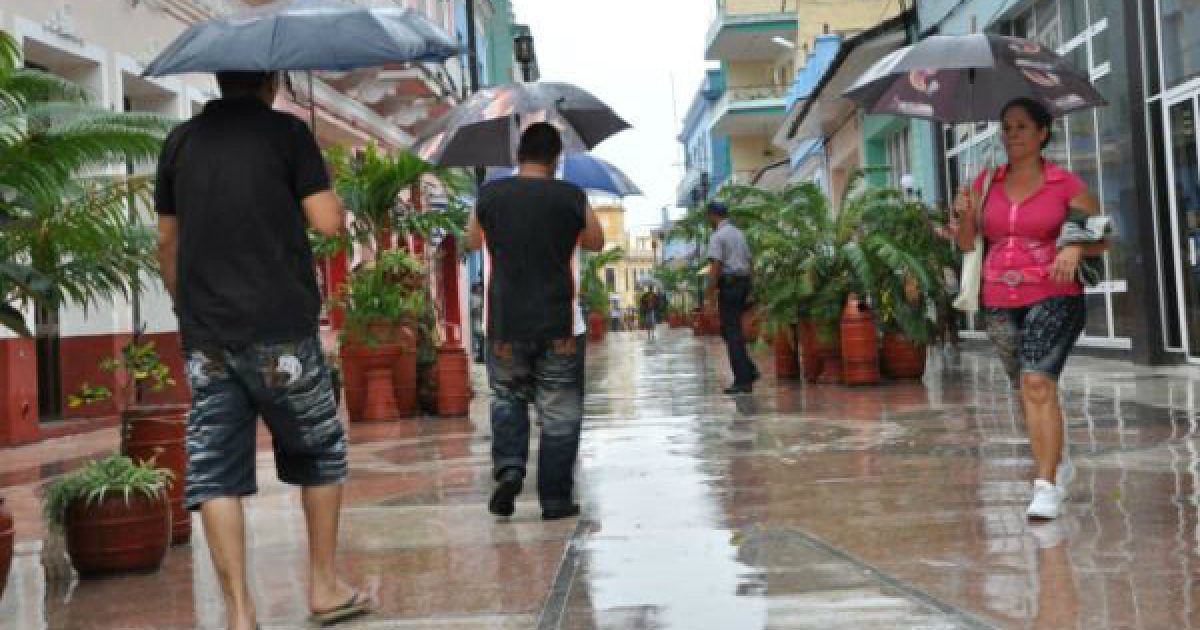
[[584, 170], [483, 130], [969, 78], [305, 35]]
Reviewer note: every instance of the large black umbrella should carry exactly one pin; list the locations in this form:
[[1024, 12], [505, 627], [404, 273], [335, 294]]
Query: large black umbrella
[[969, 78], [305, 35], [483, 130]]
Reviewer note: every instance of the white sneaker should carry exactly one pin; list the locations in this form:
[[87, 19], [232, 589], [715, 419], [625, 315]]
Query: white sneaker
[[1046, 500]]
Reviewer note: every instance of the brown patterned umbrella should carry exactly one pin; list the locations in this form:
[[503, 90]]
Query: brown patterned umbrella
[[483, 130], [969, 78]]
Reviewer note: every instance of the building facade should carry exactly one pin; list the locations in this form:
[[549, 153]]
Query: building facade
[[90, 44]]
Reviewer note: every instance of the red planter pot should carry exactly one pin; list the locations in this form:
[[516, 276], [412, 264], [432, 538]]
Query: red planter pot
[[380, 380], [453, 383], [860, 346], [810, 351], [786, 361], [158, 432], [597, 327], [750, 326], [113, 536], [903, 358], [6, 545]]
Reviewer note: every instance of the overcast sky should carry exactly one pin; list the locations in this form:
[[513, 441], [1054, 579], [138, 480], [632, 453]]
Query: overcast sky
[[628, 53]]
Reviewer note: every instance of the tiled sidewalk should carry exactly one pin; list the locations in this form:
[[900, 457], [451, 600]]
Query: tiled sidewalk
[[897, 506]]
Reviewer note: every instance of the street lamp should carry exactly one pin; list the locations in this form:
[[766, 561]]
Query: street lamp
[[523, 50]]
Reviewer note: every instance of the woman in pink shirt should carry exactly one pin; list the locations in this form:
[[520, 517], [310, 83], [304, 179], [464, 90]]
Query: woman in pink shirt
[[1034, 309]]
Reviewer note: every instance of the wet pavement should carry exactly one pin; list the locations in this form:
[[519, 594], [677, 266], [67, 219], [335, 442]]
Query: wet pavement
[[900, 506]]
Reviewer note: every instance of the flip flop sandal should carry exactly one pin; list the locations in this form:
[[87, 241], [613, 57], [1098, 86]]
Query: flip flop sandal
[[357, 605]]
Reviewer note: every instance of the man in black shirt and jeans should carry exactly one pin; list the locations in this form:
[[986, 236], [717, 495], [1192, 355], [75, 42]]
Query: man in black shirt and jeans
[[237, 188], [533, 227]]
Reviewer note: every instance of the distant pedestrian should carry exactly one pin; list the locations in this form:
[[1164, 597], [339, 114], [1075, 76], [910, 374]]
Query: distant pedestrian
[[648, 310], [535, 327], [1034, 308], [729, 277], [238, 187]]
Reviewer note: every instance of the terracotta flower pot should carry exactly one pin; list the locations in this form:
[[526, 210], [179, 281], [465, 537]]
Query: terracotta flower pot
[[158, 432], [113, 536], [784, 346], [453, 382], [6, 545], [903, 358], [380, 379], [860, 346], [597, 326], [751, 326], [810, 350]]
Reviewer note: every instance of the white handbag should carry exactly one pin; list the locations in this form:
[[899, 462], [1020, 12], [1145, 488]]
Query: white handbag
[[971, 277]]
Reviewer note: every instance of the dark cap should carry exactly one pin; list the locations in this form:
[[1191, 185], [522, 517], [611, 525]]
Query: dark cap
[[718, 208]]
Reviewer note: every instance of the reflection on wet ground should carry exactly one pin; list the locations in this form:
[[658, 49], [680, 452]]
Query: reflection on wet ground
[[798, 506]]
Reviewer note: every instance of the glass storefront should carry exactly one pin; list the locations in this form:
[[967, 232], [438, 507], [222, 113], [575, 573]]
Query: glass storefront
[[1179, 32]]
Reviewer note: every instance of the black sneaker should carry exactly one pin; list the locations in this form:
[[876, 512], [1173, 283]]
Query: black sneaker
[[740, 388], [556, 512], [507, 488]]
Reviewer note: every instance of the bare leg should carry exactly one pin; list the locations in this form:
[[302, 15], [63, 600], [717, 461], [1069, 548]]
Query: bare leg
[[224, 527], [1044, 421], [322, 510]]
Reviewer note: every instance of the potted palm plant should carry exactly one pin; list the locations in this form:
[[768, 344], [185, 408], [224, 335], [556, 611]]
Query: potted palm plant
[[911, 292], [114, 513], [384, 192], [63, 230], [809, 262], [149, 432], [383, 302], [594, 292]]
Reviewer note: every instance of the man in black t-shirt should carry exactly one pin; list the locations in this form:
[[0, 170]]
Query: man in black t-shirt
[[238, 186], [532, 227]]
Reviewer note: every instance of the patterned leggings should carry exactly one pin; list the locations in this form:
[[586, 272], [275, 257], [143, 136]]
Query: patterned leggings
[[1038, 337]]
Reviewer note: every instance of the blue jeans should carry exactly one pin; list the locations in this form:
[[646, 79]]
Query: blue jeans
[[548, 374]]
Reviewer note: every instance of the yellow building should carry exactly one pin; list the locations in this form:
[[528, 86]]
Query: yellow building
[[624, 278], [755, 42], [730, 131]]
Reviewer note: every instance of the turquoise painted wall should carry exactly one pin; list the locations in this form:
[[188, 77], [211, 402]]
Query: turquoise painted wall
[[923, 161]]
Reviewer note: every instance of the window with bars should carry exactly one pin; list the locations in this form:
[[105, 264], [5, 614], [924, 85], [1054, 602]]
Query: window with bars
[[899, 157]]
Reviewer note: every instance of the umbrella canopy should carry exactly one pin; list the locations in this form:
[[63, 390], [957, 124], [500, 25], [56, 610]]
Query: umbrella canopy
[[305, 35], [584, 170], [969, 78], [484, 130]]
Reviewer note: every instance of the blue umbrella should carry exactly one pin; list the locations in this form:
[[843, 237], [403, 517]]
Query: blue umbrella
[[584, 170], [305, 35]]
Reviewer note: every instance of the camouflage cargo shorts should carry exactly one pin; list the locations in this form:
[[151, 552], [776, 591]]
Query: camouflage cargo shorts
[[289, 386]]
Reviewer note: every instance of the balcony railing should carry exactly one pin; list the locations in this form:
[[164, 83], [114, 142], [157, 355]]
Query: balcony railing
[[756, 93], [727, 17]]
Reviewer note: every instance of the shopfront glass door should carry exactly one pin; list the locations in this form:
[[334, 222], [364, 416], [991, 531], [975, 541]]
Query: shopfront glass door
[[1182, 116]]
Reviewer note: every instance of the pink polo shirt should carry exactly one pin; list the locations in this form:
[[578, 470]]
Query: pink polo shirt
[[1021, 239]]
